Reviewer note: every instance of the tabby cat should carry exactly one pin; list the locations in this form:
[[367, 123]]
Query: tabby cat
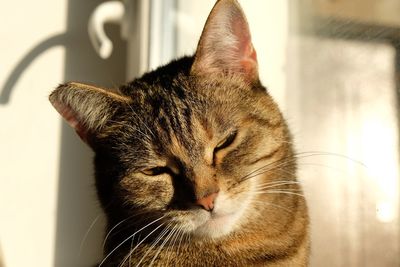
[[193, 161]]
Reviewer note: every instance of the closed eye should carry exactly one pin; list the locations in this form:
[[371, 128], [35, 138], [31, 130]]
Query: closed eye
[[156, 171], [226, 142]]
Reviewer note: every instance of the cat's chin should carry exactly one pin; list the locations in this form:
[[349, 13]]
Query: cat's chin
[[231, 211], [227, 217], [216, 226]]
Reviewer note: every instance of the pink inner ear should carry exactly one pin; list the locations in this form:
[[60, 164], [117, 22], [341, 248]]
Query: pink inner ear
[[72, 119], [225, 45], [247, 54], [249, 61]]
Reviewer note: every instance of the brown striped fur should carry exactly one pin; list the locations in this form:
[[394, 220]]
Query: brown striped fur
[[211, 129]]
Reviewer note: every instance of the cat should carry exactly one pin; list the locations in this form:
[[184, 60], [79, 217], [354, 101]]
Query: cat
[[194, 163]]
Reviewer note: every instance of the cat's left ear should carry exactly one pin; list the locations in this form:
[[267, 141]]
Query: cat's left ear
[[225, 44], [85, 107]]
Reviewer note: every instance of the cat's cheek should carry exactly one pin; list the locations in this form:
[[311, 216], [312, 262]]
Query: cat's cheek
[[153, 193]]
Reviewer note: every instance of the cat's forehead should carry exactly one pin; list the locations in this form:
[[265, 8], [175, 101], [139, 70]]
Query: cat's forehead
[[180, 118]]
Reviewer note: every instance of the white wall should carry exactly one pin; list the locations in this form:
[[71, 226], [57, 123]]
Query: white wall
[[29, 134], [47, 197]]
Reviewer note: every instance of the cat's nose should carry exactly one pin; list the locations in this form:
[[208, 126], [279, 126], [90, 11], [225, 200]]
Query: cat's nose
[[207, 202]]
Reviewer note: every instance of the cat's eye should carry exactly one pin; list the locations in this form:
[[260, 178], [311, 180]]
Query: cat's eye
[[155, 171], [226, 141]]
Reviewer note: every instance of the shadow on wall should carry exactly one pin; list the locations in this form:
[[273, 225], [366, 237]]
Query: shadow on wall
[[79, 229], [23, 64], [77, 208], [1, 257]]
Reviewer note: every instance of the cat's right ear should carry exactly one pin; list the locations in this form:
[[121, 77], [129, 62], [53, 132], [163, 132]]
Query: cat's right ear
[[225, 45], [86, 108]]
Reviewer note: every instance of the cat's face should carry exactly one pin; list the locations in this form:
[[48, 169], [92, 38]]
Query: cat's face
[[190, 150], [186, 145]]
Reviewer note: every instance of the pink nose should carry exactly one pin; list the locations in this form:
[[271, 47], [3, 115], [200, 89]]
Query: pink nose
[[207, 202]]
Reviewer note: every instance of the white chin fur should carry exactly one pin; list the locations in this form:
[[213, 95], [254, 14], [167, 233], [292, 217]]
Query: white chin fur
[[216, 226], [227, 216]]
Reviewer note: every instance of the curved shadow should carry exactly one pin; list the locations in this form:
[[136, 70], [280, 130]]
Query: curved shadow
[[23, 64], [75, 242]]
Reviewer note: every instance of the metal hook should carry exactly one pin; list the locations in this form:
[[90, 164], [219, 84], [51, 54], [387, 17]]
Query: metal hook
[[107, 12]]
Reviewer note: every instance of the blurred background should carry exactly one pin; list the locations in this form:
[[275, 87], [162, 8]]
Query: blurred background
[[332, 66]]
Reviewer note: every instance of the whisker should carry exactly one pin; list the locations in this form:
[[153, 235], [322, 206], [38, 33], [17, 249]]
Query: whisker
[[181, 238], [273, 205], [162, 245], [179, 231], [263, 170], [165, 232], [87, 234], [282, 170], [321, 165], [189, 239], [155, 242], [278, 183], [324, 153], [131, 252], [278, 192], [124, 220], [144, 227], [287, 160], [280, 189], [112, 229], [130, 249], [272, 168]]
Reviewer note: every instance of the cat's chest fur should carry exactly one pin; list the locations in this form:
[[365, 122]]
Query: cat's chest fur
[[252, 248], [194, 163]]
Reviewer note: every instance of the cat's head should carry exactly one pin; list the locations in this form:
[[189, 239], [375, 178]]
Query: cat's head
[[188, 142]]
